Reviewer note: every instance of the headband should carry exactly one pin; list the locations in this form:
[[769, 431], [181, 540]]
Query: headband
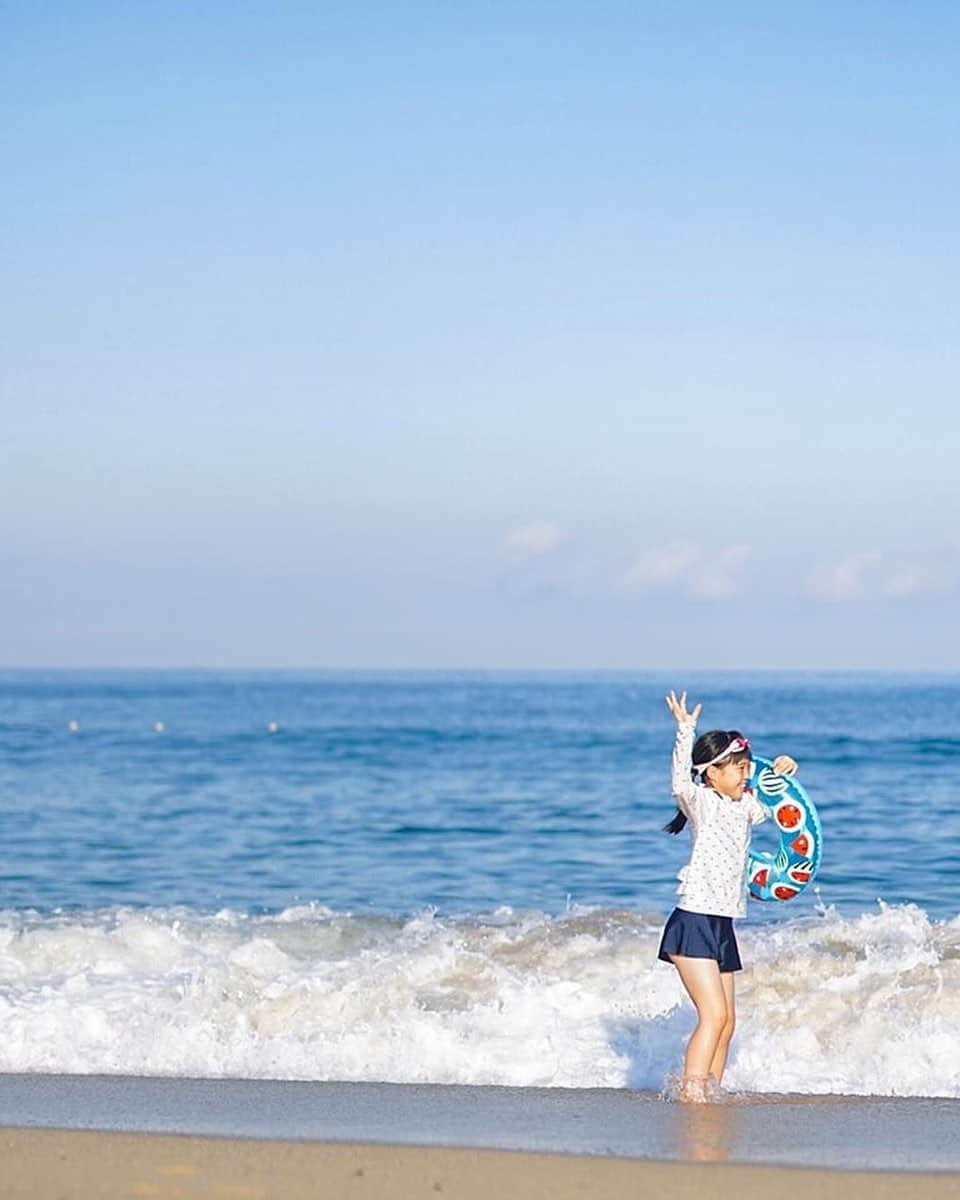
[[738, 744]]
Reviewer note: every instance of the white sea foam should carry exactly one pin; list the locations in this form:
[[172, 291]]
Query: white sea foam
[[832, 1003]]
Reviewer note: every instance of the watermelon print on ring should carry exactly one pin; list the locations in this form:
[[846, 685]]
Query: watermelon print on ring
[[784, 874]]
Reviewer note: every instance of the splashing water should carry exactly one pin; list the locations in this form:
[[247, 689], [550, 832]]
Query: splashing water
[[864, 1005]]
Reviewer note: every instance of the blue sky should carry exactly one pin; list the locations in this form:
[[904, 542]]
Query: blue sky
[[492, 335]]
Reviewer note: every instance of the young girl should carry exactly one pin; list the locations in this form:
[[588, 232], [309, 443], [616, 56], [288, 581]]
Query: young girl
[[709, 779]]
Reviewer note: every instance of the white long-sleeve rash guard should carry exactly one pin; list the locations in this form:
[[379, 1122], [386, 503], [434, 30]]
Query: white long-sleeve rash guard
[[715, 879]]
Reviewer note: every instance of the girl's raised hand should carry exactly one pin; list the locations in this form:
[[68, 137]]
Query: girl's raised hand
[[679, 709]]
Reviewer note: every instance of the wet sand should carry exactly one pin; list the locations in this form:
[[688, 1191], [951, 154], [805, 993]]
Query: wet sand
[[844, 1132], [92, 1136]]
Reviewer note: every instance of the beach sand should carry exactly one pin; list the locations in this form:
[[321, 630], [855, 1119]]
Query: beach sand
[[105, 1136], [65, 1164]]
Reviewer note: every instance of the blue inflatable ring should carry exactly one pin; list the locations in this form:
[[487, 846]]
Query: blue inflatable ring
[[784, 874]]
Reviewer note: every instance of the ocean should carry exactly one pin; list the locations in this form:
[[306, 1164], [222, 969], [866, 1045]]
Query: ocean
[[459, 878]]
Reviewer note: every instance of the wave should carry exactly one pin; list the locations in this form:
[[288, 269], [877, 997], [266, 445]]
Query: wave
[[866, 1004]]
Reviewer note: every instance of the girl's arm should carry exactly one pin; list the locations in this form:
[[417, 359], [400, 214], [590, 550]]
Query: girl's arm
[[683, 787]]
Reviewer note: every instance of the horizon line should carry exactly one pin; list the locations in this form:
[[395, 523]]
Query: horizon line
[[481, 670]]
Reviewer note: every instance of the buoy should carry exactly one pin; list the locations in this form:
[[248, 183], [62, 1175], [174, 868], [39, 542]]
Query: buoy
[[272, 727], [159, 727], [74, 726]]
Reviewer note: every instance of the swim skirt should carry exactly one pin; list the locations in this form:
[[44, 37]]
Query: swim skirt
[[700, 935]]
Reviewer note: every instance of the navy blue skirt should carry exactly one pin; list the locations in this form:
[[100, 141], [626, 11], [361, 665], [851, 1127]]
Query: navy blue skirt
[[700, 935]]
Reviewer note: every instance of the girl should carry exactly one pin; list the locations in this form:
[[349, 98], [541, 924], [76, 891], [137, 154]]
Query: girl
[[698, 938]]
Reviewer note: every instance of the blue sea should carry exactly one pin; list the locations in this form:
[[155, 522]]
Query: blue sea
[[459, 877]]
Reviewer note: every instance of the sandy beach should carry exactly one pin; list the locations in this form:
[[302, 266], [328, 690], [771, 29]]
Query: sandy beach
[[68, 1164], [92, 1136]]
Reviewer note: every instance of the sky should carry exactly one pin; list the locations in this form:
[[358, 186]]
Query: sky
[[486, 335]]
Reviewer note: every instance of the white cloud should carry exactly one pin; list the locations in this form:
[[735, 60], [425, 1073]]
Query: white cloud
[[689, 568], [843, 580], [919, 579], [662, 566], [532, 541], [720, 574], [870, 574]]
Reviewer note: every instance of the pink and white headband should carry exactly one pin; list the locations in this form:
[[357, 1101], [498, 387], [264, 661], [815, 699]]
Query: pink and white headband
[[736, 746]]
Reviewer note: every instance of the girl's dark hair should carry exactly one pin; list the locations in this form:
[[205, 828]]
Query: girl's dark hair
[[708, 746]]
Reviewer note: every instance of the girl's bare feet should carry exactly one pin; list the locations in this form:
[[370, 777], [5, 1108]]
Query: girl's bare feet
[[697, 1089]]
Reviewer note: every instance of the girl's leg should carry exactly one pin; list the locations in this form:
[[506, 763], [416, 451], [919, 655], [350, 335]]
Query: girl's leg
[[720, 1054], [703, 981]]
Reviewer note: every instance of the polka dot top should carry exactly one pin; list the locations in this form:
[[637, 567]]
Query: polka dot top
[[715, 879]]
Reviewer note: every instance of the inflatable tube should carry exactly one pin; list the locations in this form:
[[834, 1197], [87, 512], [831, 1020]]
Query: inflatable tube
[[784, 874]]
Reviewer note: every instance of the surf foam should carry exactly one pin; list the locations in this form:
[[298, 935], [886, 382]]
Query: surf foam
[[855, 1005]]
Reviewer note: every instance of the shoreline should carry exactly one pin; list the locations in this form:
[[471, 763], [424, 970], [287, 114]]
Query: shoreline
[[833, 1133]]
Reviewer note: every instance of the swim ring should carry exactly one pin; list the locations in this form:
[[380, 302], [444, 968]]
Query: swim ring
[[783, 874]]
